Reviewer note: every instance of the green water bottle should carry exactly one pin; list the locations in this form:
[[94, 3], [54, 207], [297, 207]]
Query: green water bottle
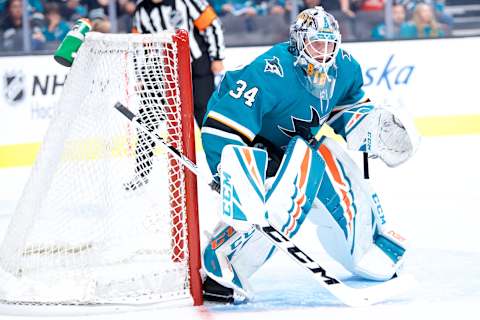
[[67, 50]]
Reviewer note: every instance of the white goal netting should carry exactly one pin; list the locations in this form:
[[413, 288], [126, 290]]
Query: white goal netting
[[102, 219]]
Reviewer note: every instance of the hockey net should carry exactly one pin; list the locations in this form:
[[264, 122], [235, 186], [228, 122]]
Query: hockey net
[[107, 217]]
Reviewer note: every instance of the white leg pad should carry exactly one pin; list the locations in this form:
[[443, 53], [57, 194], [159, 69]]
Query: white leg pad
[[350, 222]]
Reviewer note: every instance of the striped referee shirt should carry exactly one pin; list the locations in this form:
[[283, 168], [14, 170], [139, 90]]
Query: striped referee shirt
[[195, 16]]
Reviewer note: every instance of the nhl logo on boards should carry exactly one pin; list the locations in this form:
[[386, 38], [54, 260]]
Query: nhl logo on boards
[[14, 86]]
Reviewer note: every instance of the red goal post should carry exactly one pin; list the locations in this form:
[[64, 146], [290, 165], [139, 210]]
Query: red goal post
[[185, 83]]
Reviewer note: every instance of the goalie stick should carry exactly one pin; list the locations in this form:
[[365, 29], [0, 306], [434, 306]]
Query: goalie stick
[[348, 295]]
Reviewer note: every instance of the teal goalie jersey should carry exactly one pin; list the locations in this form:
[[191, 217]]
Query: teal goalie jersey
[[273, 99]]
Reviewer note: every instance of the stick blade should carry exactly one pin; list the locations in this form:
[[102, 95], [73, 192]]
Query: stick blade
[[360, 297]]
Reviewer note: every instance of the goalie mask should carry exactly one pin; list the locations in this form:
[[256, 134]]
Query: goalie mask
[[314, 41]]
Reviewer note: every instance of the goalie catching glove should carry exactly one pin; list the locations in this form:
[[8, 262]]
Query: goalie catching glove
[[382, 131]]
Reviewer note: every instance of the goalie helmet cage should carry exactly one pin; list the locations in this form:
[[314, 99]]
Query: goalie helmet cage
[[107, 218]]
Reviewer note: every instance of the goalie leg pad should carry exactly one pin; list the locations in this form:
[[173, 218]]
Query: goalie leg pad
[[242, 192], [291, 192], [350, 221], [383, 259], [288, 200], [294, 187], [242, 186], [217, 256]]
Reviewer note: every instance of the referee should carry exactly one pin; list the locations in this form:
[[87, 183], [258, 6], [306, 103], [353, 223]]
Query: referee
[[207, 47], [207, 52]]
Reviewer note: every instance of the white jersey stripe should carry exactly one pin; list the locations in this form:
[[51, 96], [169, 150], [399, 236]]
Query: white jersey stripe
[[222, 134], [232, 124]]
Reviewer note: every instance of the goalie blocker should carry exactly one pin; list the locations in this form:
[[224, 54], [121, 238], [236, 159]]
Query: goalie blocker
[[323, 185]]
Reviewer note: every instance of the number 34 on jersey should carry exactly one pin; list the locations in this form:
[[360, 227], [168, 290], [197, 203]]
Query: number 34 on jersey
[[242, 91]]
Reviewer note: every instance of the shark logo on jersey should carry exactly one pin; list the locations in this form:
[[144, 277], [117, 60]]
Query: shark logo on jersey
[[346, 55], [273, 65], [303, 127]]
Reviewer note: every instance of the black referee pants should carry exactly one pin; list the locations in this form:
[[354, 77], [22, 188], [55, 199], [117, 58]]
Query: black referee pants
[[203, 86]]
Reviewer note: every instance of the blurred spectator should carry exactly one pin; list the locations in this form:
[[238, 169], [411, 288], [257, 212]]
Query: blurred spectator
[[368, 14], [13, 16], [11, 28], [234, 7], [36, 6], [126, 6], [370, 5], [37, 22], [100, 22], [279, 7], [56, 28], [72, 10], [126, 10], [98, 10], [423, 24], [94, 4], [399, 18], [3, 6], [250, 7], [438, 5], [441, 15], [305, 4]]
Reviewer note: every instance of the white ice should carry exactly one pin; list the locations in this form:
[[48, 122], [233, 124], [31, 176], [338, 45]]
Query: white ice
[[433, 201]]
